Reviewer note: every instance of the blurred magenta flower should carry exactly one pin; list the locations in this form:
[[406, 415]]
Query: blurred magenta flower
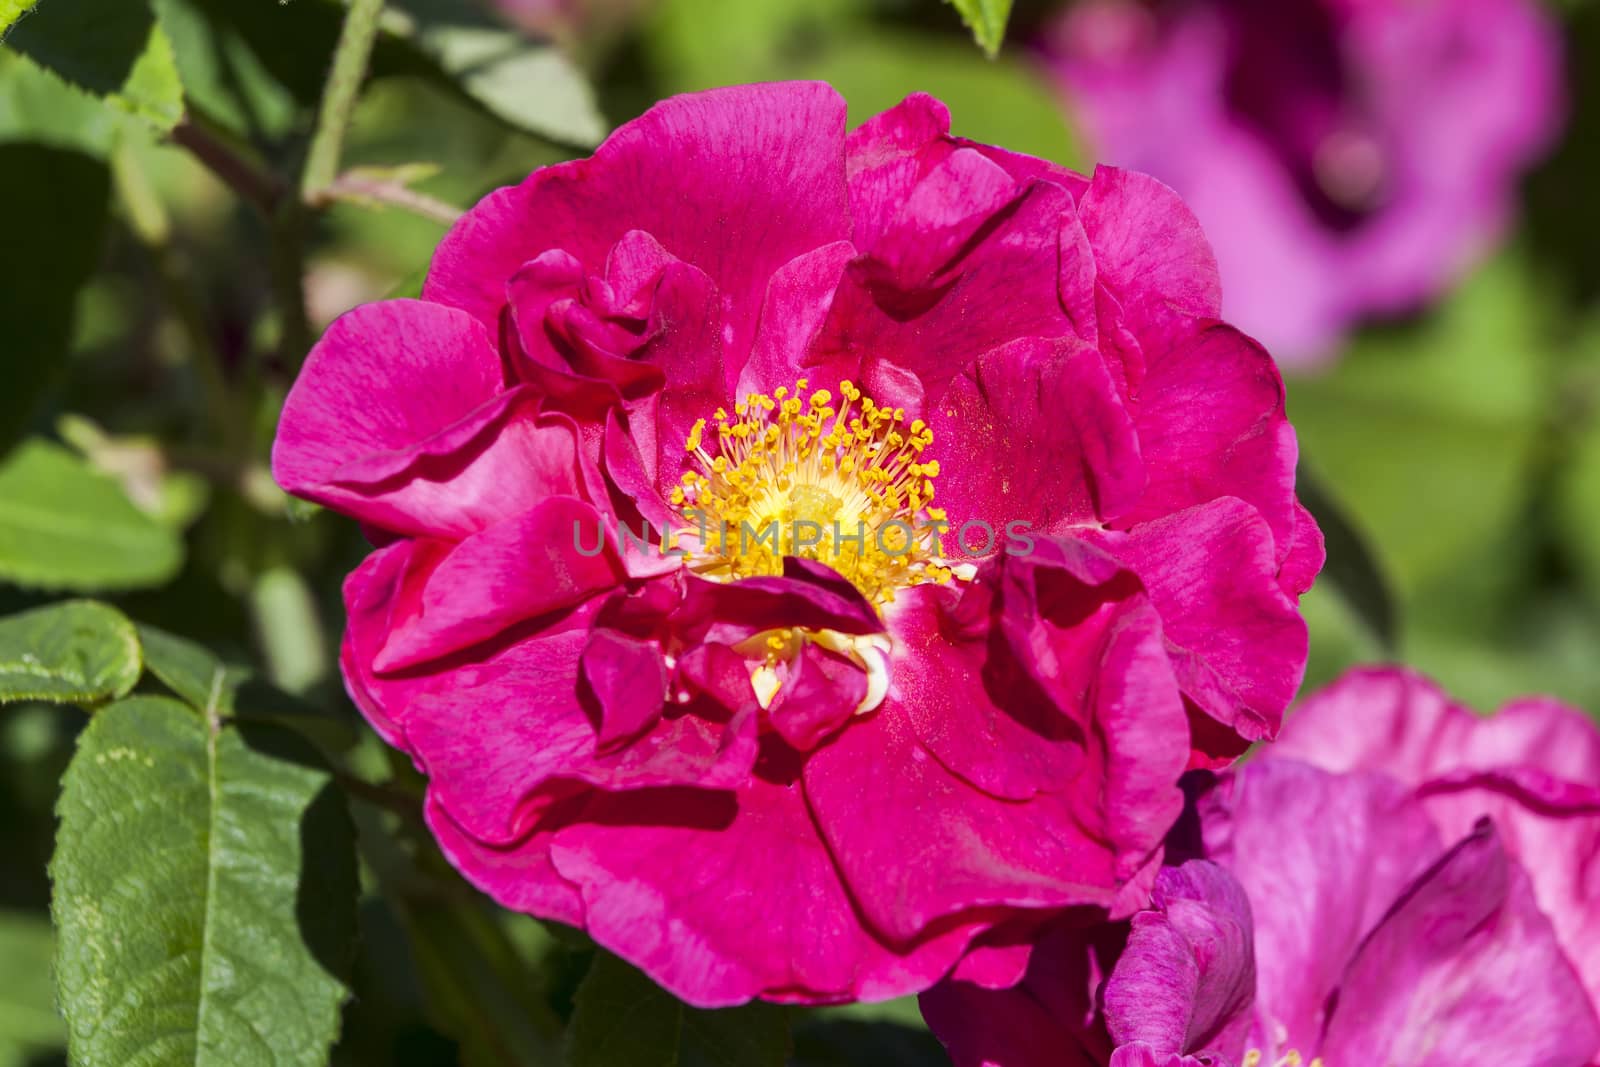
[[1346, 157], [775, 768], [1399, 881]]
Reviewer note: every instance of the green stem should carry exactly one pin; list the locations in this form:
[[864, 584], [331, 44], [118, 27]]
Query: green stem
[[349, 69]]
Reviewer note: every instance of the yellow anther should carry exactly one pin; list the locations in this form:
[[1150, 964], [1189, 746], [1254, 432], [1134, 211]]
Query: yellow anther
[[795, 476]]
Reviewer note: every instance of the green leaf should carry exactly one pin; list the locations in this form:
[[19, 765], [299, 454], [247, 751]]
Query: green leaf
[[76, 652], [56, 204], [532, 86], [202, 679], [204, 893], [11, 11], [1351, 567], [246, 64], [221, 74], [986, 19], [111, 48], [65, 526], [28, 1018], [623, 1019]]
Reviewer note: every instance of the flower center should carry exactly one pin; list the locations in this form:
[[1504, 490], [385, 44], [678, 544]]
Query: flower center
[[790, 474]]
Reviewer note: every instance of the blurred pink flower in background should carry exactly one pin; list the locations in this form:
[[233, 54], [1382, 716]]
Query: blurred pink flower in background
[[810, 775], [1346, 158], [1398, 880]]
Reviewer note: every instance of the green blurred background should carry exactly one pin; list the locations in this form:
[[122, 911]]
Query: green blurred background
[[147, 345]]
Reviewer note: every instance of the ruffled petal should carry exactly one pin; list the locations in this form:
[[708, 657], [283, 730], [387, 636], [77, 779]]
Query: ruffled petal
[[520, 876], [382, 379], [723, 896], [821, 693], [1211, 423], [735, 181], [1238, 641], [967, 850], [522, 568], [1151, 253], [1035, 434], [501, 753], [383, 593], [888, 317], [1187, 979], [399, 419]]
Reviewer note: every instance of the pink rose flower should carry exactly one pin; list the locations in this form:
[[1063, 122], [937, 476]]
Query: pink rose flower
[[800, 771], [1349, 158], [1397, 881]]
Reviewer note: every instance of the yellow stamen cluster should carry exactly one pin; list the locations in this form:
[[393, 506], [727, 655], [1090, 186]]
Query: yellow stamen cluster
[[791, 474], [1292, 1058]]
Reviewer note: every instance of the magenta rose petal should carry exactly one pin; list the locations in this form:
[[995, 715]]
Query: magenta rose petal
[[1038, 401], [1217, 562], [497, 774], [821, 694], [1001, 288], [379, 595], [1210, 423], [1150, 252], [628, 678], [522, 876], [445, 451], [654, 868], [990, 852]]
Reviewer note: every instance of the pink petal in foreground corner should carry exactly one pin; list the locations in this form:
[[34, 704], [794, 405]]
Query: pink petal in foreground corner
[[1464, 961], [1321, 857], [1534, 767]]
